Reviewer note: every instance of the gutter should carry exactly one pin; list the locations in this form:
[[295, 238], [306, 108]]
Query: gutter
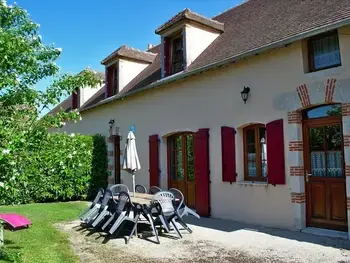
[[226, 61]]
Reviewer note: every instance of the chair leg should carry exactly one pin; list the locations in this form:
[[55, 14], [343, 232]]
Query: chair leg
[[176, 229], [134, 228], [164, 223], [184, 225], [153, 228]]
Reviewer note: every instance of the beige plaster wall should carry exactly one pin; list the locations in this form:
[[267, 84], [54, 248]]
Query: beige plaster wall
[[212, 100], [197, 39], [128, 70]]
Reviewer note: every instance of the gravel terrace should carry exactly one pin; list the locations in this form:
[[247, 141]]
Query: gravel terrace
[[212, 241]]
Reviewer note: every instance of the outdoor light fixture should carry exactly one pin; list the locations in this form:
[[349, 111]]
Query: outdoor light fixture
[[244, 93], [111, 122]]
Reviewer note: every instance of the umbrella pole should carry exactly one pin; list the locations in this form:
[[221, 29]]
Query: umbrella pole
[[133, 183]]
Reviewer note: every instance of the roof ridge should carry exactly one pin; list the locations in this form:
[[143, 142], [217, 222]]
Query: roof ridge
[[203, 16], [231, 8], [139, 50]]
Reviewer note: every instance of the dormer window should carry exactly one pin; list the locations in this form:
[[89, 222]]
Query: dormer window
[[184, 37], [122, 66], [177, 58]]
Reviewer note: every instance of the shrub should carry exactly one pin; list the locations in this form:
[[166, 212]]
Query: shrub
[[64, 167]]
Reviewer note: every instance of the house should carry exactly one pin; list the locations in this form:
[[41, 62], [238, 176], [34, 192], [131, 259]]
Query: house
[[247, 113], [81, 96]]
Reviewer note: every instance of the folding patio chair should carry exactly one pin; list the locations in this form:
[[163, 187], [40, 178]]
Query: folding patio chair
[[164, 203], [122, 215], [181, 207], [154, 189], [95, 205], [104, 210], [139, 188]]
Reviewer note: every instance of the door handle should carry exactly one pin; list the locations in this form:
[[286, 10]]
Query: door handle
[[307, 175]]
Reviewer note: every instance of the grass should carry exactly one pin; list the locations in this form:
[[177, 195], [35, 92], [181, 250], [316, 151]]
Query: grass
[[42, 242]]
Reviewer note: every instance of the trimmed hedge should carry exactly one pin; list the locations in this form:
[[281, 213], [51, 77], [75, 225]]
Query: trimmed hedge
[[65, 167]]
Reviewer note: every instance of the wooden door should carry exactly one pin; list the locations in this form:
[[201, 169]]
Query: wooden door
[[181, 166], [117, 159], [324, 173]]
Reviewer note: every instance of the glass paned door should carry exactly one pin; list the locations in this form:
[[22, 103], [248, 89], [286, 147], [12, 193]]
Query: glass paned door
[[324, 173], [181, 164]]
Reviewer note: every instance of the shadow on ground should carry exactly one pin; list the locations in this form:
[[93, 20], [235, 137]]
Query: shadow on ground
[[231, 226]]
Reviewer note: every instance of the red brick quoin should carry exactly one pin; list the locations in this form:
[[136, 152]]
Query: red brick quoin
[[296, 171], [294, 117], [295, 146], [303, 94], [345, 108], [298, 198], [330, 88]]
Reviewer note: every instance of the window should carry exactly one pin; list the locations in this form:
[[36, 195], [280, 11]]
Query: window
[[115, 83], [324, 51], [323, 111], [177, 55], [255, 155], [182, 157]]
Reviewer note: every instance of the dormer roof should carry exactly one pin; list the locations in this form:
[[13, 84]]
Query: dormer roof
[[187, 14], [132, 53]]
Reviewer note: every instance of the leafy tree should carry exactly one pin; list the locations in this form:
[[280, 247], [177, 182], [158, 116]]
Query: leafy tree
[[24, 61]]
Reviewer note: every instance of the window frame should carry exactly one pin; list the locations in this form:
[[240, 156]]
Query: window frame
[[172, 47], [311, 50], [256, 128]]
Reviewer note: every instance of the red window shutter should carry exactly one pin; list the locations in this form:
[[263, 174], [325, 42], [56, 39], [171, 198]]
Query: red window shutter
[[201, 165], [166, 57], [228, 154], [275, 153], [153, 160], [110, 81], [75, 98]]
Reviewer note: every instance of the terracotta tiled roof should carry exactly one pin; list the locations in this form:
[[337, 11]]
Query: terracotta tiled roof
[[129, 52], [189, 15], [251, 26], [65, 105], [257, 23]]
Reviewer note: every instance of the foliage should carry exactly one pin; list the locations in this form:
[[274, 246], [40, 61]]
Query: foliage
[[64, 167], [42, 242], [34, 165], [9, 256], [99, 170]]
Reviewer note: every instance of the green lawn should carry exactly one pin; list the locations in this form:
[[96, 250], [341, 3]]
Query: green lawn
[[42, 243]]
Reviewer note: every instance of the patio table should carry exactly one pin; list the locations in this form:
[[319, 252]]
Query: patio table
[[145, 201]]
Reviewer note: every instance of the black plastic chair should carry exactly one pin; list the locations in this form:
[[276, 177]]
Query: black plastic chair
[[95, 205], [104, 209], [119, 217], [118, 188], [181, 207], [164, 202], [139, 188], [154, 189]]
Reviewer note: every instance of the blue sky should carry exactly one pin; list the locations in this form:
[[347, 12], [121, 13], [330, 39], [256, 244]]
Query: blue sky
[[88, 30]]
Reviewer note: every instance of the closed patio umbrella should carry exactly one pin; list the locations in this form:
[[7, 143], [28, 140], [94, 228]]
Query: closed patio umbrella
[[131, 161]]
